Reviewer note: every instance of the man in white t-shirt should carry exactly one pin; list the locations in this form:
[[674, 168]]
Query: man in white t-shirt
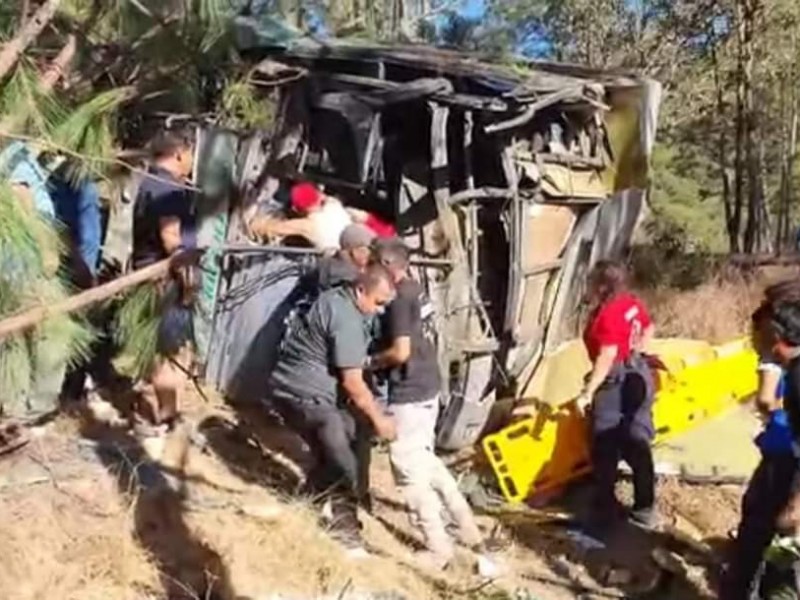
[[322, 219]]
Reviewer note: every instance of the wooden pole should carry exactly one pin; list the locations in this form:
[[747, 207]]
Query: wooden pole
[[32, 317]]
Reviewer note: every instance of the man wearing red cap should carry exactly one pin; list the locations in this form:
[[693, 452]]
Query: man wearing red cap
[[321, 222], [322, 219]]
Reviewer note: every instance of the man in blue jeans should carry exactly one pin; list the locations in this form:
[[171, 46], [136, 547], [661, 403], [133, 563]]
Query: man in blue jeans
[[77, 208]]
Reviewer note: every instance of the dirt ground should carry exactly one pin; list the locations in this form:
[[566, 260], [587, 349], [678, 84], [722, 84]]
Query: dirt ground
[[89, 512]]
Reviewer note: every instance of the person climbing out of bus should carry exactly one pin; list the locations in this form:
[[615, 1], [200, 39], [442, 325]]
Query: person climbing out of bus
[[770, 485], [155, 324], [318, 387], [409, 353], [321, 219], [353, 256], [618, 394]]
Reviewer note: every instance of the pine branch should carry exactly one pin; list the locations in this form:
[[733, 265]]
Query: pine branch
[[11, 52]]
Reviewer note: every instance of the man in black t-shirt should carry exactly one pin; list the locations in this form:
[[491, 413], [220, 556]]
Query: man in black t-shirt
[[164, 223], [414, 389]]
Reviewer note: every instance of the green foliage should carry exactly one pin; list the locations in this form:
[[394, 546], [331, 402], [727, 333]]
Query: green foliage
[[136, 331], [24, 107], [243, 108], [25, 241], [683, 196], [87, 131]]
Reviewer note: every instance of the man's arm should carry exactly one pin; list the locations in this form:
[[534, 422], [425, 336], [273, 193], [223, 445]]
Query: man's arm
[[348, 353], [769, 376], [400, 319], [170, 207], [358, 391], [169, 229], [395, 355], [265, 227], [358, 215]]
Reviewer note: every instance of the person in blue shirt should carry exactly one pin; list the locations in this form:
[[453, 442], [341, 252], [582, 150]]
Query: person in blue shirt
[[77, 210], [770, 486]]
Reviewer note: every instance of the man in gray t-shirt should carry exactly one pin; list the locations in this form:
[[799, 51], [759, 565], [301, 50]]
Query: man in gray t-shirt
[[318, 386]]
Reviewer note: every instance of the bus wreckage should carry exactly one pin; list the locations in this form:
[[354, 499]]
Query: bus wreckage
[[508, 184]]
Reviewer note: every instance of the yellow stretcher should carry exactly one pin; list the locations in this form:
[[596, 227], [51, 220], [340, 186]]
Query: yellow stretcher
[[550, 448]]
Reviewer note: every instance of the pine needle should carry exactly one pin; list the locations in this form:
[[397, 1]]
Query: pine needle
[[242, 108]]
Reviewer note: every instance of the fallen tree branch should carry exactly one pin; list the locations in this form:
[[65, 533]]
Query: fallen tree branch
[[757, 260], [34, 316]]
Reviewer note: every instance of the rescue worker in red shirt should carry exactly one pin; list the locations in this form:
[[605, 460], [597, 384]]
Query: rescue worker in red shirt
[[618, 394]]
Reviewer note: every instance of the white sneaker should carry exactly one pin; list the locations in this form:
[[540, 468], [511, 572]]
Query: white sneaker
[[488, 567], [326, 512], [356, 553]]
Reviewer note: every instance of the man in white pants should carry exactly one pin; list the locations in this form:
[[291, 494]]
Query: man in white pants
[[409, 353]]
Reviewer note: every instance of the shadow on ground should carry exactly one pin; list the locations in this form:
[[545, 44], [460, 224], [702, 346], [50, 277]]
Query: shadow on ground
[[628, 562], [257, 447], [189, 568]]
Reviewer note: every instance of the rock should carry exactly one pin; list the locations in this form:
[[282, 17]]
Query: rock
[[262, 512]]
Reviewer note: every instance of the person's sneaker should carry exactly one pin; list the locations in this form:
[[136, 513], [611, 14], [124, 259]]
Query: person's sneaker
[[356, 552], [326, 512], [488, 566], [646, 518]]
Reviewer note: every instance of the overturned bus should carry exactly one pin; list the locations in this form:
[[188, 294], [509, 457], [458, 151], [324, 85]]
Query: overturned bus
[[507, 183]]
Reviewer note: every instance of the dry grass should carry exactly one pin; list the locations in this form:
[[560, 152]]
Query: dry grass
[[82, 537], [294, 556], [73, 544], [717, 310]]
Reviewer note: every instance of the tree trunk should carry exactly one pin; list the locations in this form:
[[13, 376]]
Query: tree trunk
[[755, 200], [30, 30], [731, 225], [788, 234], [782, 186], [741, 60], [763, 241]]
